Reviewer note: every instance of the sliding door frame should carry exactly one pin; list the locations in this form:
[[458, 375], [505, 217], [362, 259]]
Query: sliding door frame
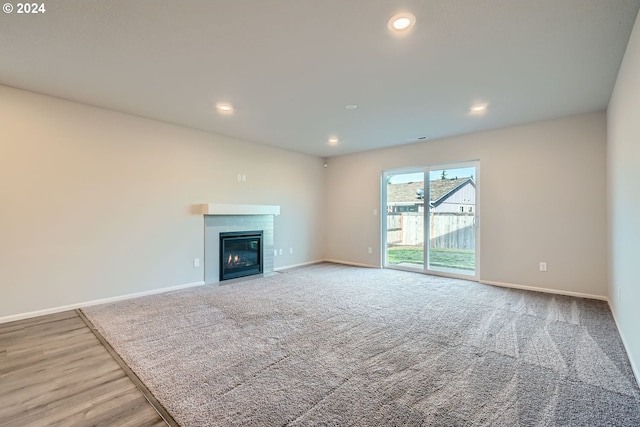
[[425, 171]]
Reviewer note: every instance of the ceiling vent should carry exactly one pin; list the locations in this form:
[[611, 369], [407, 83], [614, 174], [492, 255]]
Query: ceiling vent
[[417, 139]]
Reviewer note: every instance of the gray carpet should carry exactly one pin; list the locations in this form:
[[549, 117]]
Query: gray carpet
[[332, 345]]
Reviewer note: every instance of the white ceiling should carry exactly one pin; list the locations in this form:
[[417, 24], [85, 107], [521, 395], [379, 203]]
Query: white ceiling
[[290, 66]]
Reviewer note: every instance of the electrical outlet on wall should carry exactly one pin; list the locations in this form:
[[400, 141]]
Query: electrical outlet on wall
[[196, 262], [370, 249], [543, 266]]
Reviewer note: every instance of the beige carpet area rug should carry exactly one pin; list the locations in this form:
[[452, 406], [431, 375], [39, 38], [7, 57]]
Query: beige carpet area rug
[[330, 345]]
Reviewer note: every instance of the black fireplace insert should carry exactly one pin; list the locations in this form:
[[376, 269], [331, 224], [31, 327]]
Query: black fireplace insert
[[241, 254]]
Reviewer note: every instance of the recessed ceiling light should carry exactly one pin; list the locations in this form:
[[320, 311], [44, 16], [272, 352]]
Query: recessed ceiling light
[[333, 140], [350, 107], [479, 108], [224, 108], [401, 22]]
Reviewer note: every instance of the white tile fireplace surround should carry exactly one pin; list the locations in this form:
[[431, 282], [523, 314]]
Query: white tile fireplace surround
[[222, 218]]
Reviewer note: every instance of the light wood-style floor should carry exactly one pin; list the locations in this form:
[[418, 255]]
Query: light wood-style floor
[[55, 372]]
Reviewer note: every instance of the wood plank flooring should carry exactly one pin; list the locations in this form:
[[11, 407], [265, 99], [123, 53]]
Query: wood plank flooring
[[55, 372]]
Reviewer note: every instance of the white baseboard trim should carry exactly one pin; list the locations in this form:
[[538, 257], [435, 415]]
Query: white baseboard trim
[[302, 264], [355, 264], [545, 290], [59, 309], [634, 368]]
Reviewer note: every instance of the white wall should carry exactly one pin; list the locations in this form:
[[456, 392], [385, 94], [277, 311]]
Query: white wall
[[99, 204], [623, 145], [542, 189]]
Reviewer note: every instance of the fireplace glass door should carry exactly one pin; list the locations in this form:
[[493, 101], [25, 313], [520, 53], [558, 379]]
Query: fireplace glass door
[[240, 254]]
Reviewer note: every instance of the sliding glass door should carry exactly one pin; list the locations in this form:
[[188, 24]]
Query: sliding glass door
[[405, 219], [431, 219]]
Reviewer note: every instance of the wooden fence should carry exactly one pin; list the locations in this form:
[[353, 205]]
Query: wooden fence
[[446, 230]]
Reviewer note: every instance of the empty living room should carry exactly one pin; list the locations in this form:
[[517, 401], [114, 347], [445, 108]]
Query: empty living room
[[320, 213]]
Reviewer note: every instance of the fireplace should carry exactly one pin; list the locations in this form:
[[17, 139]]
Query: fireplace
[[241, 254]]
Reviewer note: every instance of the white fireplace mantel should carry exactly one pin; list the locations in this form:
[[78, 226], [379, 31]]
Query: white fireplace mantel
[[224, 209]]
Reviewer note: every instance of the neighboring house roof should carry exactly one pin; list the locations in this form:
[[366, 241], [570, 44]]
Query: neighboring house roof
[[404, 193], [444, 188], [440, 190]]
